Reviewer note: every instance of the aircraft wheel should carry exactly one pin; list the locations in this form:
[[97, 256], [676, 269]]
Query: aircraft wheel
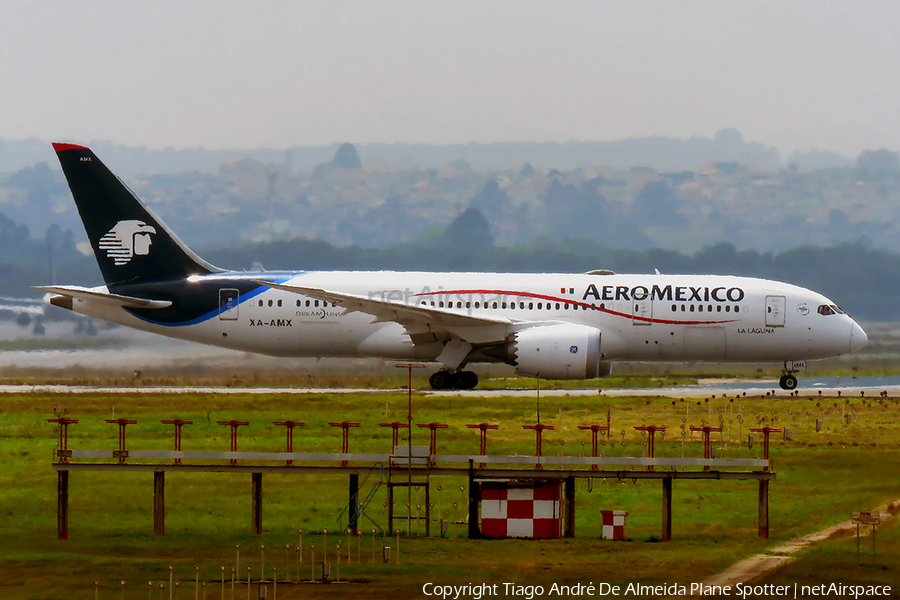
[[442, 380], [466, 380], [788, 382]]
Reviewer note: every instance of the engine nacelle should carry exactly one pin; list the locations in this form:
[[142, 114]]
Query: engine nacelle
[[563, 351]]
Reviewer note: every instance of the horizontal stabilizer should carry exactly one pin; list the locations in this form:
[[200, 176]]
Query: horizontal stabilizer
[[81, 293]]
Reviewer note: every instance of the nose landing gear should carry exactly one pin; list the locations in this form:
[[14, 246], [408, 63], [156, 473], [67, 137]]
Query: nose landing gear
[[449, 380], [788, 381]]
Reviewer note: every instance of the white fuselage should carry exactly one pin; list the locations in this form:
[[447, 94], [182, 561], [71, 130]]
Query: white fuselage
[[640, 317]]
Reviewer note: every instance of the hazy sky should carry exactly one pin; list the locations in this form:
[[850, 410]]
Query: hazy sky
[[796, 75]]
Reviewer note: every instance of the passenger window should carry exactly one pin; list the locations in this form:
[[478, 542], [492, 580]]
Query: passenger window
[[307, 303], [728, 309], [468, 305], [495, 305], [316, 303], [279, 304], [540, 305], [602, 307], [674, 308], [298, 303], [531, 306], [502, 304], [719, 308], [737, 309], [700, 308], [683, 308], [270, 303], [260, 302], [557, 306]]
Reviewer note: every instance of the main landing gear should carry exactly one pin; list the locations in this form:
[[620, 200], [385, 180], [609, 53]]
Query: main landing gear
[[448, 380], [788, 381]]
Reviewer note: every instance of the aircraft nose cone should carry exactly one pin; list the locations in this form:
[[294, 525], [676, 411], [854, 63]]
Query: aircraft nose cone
[[858, 338]]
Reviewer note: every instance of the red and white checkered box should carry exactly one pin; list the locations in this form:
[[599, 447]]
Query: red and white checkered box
[[525, 512], [614, 524]]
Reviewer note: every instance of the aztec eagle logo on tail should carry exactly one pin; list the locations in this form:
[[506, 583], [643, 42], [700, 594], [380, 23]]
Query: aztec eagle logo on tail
[[127, 239]]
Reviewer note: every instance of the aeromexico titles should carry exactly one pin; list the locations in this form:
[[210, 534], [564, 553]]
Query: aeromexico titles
[[548, 325]]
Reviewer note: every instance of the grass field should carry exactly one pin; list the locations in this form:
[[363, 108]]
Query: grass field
[[821, 478]]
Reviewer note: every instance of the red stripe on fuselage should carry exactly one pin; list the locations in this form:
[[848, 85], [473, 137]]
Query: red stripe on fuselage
[[574, 302]]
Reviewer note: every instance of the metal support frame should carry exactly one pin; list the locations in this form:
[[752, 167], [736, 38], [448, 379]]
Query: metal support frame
[[62, 504], [178, 423], [345, 438], [563, 471], [290, 435], [474, 496], [62, 442], [764, 509], [256, 508], [539, 429], [123, 453], [395, 436], [666, 510], [353, 503], [706, 429], [475, 476], [432, 443], [234, 435], [482, 441], [766, 431], [651, 443], [159, 503], [594, 429], [402, 480], [569, 508]]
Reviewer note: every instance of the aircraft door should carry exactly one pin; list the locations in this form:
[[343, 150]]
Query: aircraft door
[[642, 311], [228, 304], [774, 311]]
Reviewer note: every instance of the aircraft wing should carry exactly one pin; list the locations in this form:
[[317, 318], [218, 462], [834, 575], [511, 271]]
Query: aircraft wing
[[82, 293], [475, 329]]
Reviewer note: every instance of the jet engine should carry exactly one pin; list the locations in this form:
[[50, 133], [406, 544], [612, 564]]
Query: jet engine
[[562, 351]]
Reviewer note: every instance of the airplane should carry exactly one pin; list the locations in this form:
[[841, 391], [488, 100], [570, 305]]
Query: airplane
[[546, 325]]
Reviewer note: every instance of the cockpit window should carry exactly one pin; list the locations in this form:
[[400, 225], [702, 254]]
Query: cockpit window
[[825, 309], [838, 309]]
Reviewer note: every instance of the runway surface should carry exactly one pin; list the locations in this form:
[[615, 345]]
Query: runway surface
[[696, 391]]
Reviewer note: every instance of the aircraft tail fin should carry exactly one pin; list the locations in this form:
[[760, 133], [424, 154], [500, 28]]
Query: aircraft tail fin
[[130, 243]]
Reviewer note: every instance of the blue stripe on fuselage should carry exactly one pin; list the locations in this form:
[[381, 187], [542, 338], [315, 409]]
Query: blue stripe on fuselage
[[213, 314]]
